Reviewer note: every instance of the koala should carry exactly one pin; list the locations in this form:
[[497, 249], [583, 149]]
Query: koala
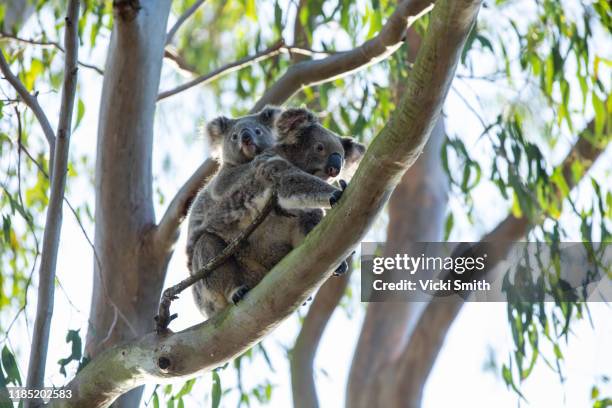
[[240, 140], [297, 169]]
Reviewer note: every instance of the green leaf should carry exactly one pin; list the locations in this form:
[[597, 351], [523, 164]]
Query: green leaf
[[80, 113], [10, 366], [250, 10], [75, 354], [448, 225], [6, 228], [216, 390], [600, 114], [155, 400]]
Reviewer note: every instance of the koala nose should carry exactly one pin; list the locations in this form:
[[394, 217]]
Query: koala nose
[[246, 136], [334, 165]]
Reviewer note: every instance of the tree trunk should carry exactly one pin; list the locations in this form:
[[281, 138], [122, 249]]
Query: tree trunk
[[128, 273], [416, 214]]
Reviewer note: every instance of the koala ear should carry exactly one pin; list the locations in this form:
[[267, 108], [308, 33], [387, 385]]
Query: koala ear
[[353, 151], [292, 120], [216, 129], [269, 114]]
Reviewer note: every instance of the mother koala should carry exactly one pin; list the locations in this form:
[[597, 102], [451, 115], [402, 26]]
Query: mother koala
[[298, 169]]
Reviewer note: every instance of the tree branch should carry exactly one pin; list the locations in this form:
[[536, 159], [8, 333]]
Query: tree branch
[[305, 348], [307, 73], [270, 52], [288, 284], [53, 44], [422, 350], [179, 22], [166, 232], [53, 224], [31, 101]]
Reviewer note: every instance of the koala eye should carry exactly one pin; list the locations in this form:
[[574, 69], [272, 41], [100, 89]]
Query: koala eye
[[319, 147], [257, 131], [234, 136]]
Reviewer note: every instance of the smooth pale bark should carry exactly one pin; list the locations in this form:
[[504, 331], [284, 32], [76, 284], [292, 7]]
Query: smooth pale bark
[[416, 214], [200, 348], [303, 353], [53, 222], [312, 72], [129, 275]]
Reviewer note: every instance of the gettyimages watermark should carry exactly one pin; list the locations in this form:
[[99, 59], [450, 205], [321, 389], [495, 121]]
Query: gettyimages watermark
[[488, 272]]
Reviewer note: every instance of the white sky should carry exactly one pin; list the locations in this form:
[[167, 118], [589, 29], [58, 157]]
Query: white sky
[[458, 378]]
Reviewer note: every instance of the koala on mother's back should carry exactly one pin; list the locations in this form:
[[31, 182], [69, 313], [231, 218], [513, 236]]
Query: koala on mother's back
[[297, 169]]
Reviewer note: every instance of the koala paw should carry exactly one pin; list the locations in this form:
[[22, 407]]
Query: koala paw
[[341, 269], [336, 195], [239, 294]]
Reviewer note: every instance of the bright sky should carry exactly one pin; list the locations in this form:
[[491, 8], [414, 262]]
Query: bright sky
[[458, 378]]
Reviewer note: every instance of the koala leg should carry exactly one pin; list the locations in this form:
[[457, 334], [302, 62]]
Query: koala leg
[[223, 285]]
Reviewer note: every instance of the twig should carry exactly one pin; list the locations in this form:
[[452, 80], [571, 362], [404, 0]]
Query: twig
[[31, 101], [164, 317], [53, 44], [179, 22], [271, 51], [173, 55], [30, 226], [53, 223], [89, 241]]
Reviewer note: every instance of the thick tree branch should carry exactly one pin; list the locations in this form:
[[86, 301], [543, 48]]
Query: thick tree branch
[[166, 232], [421, 351], [31, 101], [53, 224], [271, 51], [307, 73], [307, 342], [393, 151], [179, 22]]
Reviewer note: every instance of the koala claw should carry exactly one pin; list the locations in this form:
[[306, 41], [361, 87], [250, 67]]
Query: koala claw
[[336, 195], [341, 269], [239, 294], [307, 300]]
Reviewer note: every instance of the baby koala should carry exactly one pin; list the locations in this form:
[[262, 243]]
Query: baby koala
[[240, 140], [296, 169]]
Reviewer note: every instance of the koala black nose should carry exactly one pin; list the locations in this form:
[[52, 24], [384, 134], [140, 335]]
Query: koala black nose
[[246, 136], [334, 165]]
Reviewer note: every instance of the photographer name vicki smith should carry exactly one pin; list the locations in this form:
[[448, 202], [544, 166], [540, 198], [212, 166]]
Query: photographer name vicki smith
[[432, 285]]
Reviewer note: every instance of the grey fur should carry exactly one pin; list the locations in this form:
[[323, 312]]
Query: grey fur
[[297, 169], [225, 133]]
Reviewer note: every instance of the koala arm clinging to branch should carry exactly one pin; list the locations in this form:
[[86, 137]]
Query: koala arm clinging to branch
[[295, 188]]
